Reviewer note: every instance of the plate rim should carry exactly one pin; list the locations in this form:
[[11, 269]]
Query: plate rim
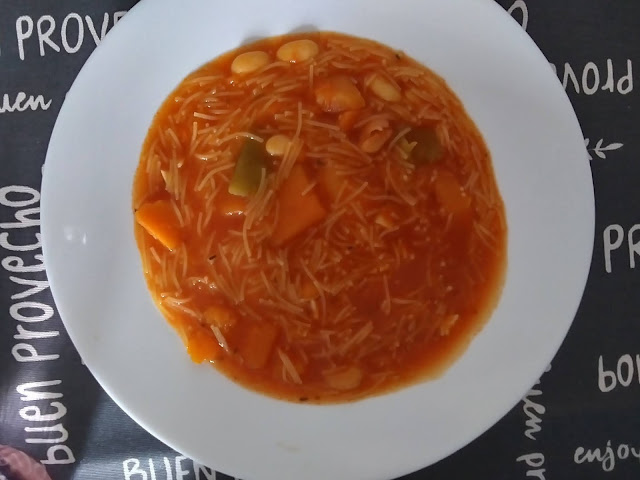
[[47, 187]]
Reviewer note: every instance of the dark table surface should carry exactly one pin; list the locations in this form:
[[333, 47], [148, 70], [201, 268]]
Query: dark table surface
[[580, 421]]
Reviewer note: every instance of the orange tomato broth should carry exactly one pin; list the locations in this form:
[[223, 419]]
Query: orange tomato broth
[[361, 258]]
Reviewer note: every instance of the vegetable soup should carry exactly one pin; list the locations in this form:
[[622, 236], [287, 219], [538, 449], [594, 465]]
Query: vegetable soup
[[318, 218]]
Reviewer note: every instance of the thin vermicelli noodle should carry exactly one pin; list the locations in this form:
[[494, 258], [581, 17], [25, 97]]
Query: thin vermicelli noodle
[[318, 218]]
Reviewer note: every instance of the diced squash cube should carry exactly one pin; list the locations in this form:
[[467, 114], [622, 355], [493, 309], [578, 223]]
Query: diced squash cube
[[220, 316], [159, 219], [257, 345], [202, 345], [297, 211], [450, 193]]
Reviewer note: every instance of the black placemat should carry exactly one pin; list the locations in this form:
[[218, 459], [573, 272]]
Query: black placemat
[[580, 421]]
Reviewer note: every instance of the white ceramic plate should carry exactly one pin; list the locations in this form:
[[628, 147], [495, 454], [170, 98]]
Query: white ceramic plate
[[96, 276]]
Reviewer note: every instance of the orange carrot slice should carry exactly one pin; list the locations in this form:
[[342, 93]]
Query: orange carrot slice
[[202, 345]]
